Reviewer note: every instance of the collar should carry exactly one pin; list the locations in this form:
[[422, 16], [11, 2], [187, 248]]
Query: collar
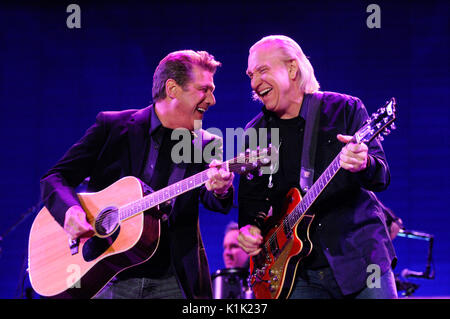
[[155, 123], [303, 108]]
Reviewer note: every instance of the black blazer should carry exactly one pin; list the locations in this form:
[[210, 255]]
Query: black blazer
[[118, 145], [349, 223]]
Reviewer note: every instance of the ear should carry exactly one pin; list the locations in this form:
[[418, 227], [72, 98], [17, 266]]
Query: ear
[[171, 88], [293, 69]]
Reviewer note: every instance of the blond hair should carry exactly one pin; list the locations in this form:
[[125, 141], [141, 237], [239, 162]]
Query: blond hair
[[290, 50]]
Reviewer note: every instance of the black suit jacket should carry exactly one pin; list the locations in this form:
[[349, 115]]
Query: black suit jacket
[[349, 226], [118, 145]]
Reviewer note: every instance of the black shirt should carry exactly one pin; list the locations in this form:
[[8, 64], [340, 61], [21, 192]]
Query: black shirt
[[291, 132], [159, 264]]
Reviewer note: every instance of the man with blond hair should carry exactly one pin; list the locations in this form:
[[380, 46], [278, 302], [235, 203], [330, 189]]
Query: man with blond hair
[[348, 233]]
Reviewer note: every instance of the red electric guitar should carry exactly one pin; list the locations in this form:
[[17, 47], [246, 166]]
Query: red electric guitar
[[287, 242]]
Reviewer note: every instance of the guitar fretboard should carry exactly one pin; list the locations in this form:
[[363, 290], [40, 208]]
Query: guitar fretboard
[[163, 195], [314, 192]]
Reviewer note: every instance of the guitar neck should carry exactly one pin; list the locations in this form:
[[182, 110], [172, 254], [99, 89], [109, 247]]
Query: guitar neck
[[314, 192], [163, 195], [239, 165]]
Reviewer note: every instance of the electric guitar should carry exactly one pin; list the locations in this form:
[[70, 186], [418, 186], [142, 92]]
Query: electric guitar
[[286, 239], [127, 231]]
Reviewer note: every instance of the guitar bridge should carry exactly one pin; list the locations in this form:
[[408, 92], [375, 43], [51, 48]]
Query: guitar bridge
[[73, 245]]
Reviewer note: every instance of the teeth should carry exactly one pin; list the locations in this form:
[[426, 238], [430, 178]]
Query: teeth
[[201, 110], [264, 92]]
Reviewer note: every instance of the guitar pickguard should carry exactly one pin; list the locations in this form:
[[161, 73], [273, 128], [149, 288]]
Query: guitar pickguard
[[95, 246]]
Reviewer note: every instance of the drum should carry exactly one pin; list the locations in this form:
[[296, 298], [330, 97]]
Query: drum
[[231, 283]]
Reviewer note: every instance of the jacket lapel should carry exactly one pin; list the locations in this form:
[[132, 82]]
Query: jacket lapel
[[138, 137]]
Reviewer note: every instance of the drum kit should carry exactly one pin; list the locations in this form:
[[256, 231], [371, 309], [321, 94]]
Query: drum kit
[[231, 283]]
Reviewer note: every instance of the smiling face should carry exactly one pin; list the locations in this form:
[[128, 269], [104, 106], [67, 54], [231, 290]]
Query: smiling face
[[273, 80], [194, 99]]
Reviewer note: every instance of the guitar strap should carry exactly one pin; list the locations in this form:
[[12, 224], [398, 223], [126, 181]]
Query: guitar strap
[[313, 105]]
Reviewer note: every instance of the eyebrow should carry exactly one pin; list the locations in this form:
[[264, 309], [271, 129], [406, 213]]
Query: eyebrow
[[207, 86], [257, 69]]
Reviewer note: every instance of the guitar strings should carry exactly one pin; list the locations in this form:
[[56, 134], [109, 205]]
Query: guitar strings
[[233, 165]]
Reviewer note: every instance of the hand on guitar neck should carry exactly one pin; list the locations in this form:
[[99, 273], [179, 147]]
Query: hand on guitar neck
[[220, 179], [354, 157], [75, 223]]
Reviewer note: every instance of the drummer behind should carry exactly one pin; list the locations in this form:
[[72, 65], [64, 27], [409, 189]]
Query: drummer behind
[[231, 282]]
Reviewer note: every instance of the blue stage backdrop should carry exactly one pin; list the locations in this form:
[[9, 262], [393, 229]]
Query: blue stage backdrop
[[55, 79]]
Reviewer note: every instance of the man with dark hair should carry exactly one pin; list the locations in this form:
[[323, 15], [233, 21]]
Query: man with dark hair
[[233, 255], [138, 143]]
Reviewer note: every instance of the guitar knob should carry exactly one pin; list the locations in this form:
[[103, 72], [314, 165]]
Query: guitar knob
[[249, 176]]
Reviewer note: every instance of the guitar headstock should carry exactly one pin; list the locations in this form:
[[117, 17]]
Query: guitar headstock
[[250, 161], [382, 121]]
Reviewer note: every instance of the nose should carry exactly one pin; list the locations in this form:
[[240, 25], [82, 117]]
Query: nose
[[210, 98], [255, 81]]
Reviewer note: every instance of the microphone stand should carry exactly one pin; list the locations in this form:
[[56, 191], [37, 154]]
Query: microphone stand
[[428, 273], [407, 286], [31, 211]]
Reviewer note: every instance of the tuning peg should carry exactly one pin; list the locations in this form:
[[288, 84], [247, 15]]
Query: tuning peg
[[249, 176], [386, 131], [381, 138], [393, 126]]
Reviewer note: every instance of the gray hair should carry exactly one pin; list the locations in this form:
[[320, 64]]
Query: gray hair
[[290, 50]]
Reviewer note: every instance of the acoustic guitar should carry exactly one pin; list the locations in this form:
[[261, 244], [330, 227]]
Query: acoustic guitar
[[127, 231]]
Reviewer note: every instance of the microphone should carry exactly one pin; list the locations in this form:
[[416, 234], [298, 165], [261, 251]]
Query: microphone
[[411, 273]]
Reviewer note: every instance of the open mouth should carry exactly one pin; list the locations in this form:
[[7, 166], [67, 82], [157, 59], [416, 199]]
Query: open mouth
[[201, 109], [264, 92]]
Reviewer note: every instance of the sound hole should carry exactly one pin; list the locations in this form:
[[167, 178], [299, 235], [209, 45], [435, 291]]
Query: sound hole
[[107, 221]]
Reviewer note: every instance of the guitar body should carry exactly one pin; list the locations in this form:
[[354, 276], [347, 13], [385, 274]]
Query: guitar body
[[56, 270], [273, 270]]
